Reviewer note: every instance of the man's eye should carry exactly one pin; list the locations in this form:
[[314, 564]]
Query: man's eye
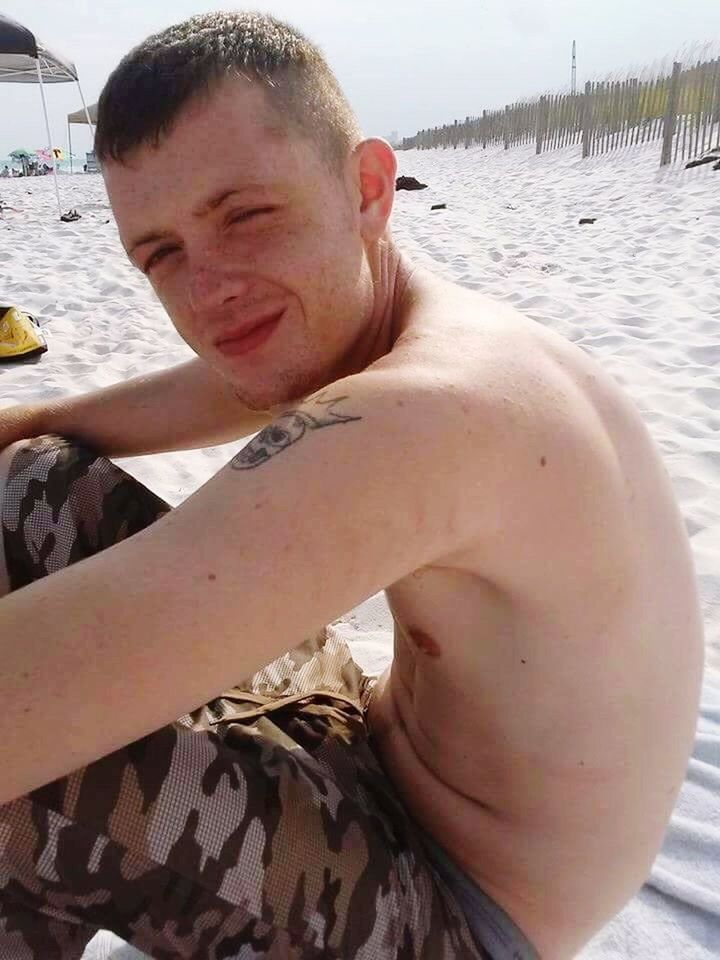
[[235, 218], [157, 257], [247, 214]]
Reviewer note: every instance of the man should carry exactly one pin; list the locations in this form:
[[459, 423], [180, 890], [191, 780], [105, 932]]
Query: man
[[503, 788]]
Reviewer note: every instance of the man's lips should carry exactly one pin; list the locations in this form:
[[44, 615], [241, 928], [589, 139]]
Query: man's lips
[[244, 341], [240, 333]]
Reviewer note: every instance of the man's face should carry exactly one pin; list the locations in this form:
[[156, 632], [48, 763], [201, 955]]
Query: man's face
[[247, 238]]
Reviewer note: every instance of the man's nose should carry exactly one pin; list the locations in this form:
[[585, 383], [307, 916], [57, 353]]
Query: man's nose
[[213, 283]]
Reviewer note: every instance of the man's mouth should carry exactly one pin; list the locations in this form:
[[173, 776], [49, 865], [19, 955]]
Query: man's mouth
[[244, 339]]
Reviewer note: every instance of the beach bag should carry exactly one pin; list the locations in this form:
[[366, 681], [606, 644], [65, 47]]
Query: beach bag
[[20, 335]]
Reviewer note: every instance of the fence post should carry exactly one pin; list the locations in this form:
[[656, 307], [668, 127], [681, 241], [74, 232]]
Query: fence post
[[587, 119], [506, 127], [670, 115], [484, 129], [540, 125]]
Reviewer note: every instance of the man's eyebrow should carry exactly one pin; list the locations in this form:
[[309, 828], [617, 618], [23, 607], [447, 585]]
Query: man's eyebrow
[[212, 203], [217, 198]]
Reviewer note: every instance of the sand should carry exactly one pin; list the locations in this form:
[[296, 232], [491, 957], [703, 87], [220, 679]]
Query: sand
[[639, 289]]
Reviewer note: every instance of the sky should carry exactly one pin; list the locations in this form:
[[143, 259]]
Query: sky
[[404, 65]]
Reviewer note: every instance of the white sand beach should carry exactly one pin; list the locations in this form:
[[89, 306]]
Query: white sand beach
[[639, 289]]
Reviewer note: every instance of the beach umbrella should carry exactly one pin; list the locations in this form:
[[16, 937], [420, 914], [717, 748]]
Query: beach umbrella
[[26, 59], [23, 156], [46, 155]]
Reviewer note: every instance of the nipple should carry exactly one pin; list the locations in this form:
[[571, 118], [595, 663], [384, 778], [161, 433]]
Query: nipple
[[424, 642]]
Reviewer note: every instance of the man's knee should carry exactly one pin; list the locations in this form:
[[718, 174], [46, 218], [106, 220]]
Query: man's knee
[[7, 455], [36, 533]]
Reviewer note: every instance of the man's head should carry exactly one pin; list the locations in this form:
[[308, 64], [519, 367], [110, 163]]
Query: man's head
[[229, 142], [157, 79]]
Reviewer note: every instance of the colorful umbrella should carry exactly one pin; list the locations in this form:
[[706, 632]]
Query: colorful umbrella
[[47, 157]]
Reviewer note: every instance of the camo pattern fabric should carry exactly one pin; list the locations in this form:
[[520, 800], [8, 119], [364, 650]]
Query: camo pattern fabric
[[260, 825], [63, 502]]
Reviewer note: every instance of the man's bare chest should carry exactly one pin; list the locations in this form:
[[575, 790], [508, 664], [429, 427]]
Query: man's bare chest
[[448, 625]]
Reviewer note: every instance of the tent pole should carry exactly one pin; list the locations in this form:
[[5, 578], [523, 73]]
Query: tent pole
[[70, 148], [87, 115], [47, 127]]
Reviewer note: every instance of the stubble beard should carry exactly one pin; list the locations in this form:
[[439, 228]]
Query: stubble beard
[[286, 389]]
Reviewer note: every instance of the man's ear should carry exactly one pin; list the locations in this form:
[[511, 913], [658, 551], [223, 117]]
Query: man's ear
[[376, 169]]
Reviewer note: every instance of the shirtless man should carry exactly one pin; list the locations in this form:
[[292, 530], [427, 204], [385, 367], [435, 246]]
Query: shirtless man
[[540, 707]]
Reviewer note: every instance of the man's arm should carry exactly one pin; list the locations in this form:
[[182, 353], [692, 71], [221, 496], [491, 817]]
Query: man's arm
[[181, 408], [334, 501]]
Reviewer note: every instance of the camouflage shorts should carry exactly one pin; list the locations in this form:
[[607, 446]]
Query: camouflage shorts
[[261, 825]]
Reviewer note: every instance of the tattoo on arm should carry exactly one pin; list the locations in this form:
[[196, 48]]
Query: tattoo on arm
[[287, 429]]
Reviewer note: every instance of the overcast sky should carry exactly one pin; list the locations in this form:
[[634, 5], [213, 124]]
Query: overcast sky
[[404, 64]]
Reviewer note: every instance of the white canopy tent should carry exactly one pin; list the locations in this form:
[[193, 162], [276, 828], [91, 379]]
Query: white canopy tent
[[26, 59], [88, 115]]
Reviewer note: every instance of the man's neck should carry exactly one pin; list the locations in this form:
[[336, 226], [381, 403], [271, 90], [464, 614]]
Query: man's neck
[[391, 275]]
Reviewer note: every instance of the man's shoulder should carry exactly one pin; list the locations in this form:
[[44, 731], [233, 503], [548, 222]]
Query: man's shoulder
[[484, 352], [538, 419], [513, 393], [500, 358], [455, 325]]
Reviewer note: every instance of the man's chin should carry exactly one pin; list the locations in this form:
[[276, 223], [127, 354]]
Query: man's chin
[[271, 401]]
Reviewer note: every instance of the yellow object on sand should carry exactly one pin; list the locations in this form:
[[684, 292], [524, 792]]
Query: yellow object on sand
[[20, 335]]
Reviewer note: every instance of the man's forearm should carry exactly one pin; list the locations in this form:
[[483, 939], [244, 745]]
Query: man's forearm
[[181, 408], [18, 422]]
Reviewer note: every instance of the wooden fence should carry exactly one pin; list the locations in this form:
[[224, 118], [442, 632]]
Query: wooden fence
[[681, 109]]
